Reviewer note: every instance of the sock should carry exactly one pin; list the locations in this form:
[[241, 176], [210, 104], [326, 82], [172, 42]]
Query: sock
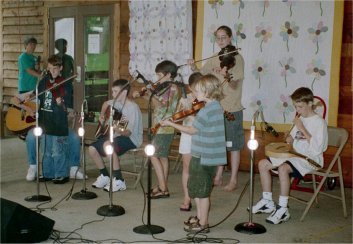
[[117, 174], [283, 201], [74, 168], [267, 196], [104, 172]]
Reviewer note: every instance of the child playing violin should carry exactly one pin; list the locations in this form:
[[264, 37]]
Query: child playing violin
[[207, 149], [164, 103], [53, 120], [185, 104], [229, 70]]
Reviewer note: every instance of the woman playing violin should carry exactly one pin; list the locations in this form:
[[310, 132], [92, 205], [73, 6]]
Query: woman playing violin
[[224, 69]]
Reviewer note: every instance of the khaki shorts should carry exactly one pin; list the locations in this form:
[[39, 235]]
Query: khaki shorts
[[200, 181], [234, 132], [162, 143]]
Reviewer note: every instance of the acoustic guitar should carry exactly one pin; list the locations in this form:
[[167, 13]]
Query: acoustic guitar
[[284, 150], [18, 120], [119, 122]]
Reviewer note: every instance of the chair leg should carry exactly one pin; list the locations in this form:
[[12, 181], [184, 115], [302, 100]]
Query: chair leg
[[177, 163], [140, 174], [314, 187], [343, 197], [310, 203]]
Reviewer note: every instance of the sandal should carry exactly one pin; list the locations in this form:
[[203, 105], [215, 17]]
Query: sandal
[[197, 228], [159, 194], [191, 220], [186, 207], [155, 189]]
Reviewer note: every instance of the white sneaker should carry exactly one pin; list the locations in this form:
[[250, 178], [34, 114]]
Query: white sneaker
[[118, 185], [280, 215], [78, 175], [31, 173], [264, 206], [101, 181]]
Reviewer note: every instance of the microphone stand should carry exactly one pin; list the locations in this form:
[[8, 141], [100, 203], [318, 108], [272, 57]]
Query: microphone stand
[[83, 194], [111, 210], [149, 228], [37, 132], [251, 227]]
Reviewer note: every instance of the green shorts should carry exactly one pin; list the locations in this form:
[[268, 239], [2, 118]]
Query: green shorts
[[200, 181], [162, 143], [234, 132]]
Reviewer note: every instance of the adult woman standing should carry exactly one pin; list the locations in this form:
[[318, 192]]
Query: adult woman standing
[[233, 77]]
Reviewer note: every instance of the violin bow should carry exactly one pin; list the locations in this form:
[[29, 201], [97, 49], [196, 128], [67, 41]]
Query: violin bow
[[54, 86], [215, 56]]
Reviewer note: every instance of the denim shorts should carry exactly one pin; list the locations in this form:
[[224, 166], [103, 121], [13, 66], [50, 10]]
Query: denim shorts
[[235, 132], [121, 144]]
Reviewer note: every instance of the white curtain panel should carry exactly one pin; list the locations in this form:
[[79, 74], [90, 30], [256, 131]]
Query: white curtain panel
[[285, 44], [160, 30]]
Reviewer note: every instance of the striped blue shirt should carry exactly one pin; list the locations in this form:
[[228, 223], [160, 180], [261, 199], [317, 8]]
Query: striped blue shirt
[[209, 143]]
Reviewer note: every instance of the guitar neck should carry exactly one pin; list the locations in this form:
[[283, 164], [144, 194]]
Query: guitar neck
[[310, 161]]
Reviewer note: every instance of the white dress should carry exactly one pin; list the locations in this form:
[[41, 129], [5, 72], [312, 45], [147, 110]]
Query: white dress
[[317, 127], [185, 139]]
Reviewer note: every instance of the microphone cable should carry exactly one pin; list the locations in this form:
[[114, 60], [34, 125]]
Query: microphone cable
[[201, 237]]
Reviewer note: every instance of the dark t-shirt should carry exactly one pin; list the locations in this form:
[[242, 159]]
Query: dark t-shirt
[[52, 118]]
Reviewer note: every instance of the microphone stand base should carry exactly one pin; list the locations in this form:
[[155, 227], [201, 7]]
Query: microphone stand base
[[84, 195], [148, 229], [250, 228], [38, 198], [111, 210]]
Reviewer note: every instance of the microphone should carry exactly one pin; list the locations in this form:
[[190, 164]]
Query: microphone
[[138, 75], [270, 129]]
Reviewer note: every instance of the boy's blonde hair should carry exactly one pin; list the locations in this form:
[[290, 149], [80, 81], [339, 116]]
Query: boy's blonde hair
[[210, 85]]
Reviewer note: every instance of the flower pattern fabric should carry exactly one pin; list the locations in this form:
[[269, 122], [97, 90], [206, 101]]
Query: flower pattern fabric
[[160, 30]]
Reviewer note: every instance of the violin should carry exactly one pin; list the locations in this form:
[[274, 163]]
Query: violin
[[179, 116], [227, 56], [149, 85]]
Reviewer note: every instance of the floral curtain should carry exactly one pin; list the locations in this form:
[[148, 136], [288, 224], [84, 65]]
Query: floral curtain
[[285, 44], [160, 30]]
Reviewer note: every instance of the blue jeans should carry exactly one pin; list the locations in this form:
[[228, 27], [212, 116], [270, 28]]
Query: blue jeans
[[31, 147], [73, 152], [55, 162], [74, 149]]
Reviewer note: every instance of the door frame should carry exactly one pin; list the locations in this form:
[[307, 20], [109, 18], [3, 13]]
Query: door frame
[[79, 13]]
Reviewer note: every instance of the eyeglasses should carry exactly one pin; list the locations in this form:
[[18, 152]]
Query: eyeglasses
[[221, 38]]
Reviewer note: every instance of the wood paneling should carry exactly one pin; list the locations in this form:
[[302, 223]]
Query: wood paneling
[[345, 93]]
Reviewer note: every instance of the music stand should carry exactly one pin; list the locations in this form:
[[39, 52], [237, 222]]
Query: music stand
[[251, 227], [149, 228], [37, 133], [83, 194]]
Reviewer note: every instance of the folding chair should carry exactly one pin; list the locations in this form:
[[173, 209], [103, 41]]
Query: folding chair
[[139, 163], [337, 138]]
